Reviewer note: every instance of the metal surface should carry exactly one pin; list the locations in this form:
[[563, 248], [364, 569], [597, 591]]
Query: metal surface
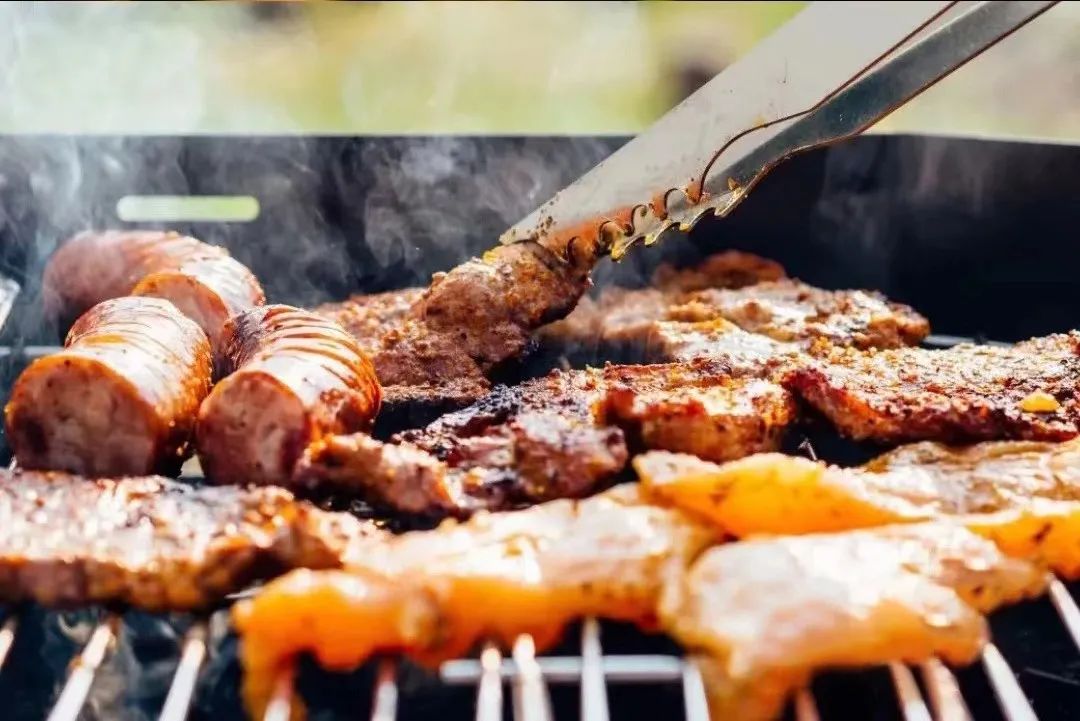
[[829, 73], [182, 688], [71, 700]]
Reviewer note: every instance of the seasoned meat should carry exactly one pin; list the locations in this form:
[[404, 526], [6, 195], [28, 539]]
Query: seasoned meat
[[119, 399], [764, 615], [964, 393], [774, 493], [697, 407], [562, 435], [203, 281], [370, 317], [1023, 495], [621, 316], [726, 269], [154, 543], [744, 353], [684, 315], [792, 312], [435, 594], [294, 378]]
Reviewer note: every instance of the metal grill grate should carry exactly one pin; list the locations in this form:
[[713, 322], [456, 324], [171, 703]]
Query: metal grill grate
[[530, 675]]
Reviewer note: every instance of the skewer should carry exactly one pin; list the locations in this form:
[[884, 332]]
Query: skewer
[[695, 703], [182, 689], [944, 692], [912, 705], [594, 702], [7, 637], [531, 702], [384, 702], [489, 696], [1066, 608], [280, 704], [805, 707], [1014, 704], [72, 698]]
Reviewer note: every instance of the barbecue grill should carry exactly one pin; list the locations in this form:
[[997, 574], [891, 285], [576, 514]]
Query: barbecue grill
[[972, 232]]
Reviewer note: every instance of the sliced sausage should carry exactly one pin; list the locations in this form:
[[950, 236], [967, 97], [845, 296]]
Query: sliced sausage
[[203, 281], [120, 399], [296, 377]]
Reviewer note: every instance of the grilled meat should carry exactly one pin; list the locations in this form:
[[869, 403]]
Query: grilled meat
[[744, 354], [119, 399], [1023, 495], [480, 315], [774, 493], [295, 377], [369, 317], [766, 614], [964, 393], [558, 436], [435, 594], [151, 542], [749, 292], [203, 281]]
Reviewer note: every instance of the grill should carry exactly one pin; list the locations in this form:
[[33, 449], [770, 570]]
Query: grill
[[962, 229]]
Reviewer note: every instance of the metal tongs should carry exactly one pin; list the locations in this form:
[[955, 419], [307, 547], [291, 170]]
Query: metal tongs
[[828, 74]]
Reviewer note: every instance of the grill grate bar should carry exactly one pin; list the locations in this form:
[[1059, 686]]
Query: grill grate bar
[[489, 692], [695, 702], [1014, 704], [182, 690], [1066, 608], [385, 698], [85, 665], [594, 702], [531, 700], [805, 706], [7, 637], [568, 669], [912, 705], [280, 704], [945, 697]]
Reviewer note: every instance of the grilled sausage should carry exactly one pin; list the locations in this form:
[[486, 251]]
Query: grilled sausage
[[203, 281], [120, 399], [296, 377]]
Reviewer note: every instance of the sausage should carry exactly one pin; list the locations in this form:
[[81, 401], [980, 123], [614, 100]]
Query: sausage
[[296, 377], [120, 399], [203, 281]]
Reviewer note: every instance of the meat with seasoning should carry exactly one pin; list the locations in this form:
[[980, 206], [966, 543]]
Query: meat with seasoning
[[435, 594], [294, 378], [203, 281], [121, 397], [762, 616], [563, 435], [154, 543], [966, 393]]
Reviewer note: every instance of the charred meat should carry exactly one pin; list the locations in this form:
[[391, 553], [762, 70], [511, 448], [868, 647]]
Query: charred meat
[[294, 377], [563, 435], [119, 399], [370, 317], [151, 542], [965, 393]]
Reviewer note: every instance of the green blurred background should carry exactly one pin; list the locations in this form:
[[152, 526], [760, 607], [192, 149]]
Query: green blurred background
[[471, 67]]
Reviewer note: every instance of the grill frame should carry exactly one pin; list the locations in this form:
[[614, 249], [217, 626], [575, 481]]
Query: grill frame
[[936, 222]]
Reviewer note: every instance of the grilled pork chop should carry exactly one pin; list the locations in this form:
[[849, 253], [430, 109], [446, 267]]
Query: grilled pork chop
[[964, 393], [435, 594], [151, 542], [753, 295], [369, 317], [766, 614], [562, 435]]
